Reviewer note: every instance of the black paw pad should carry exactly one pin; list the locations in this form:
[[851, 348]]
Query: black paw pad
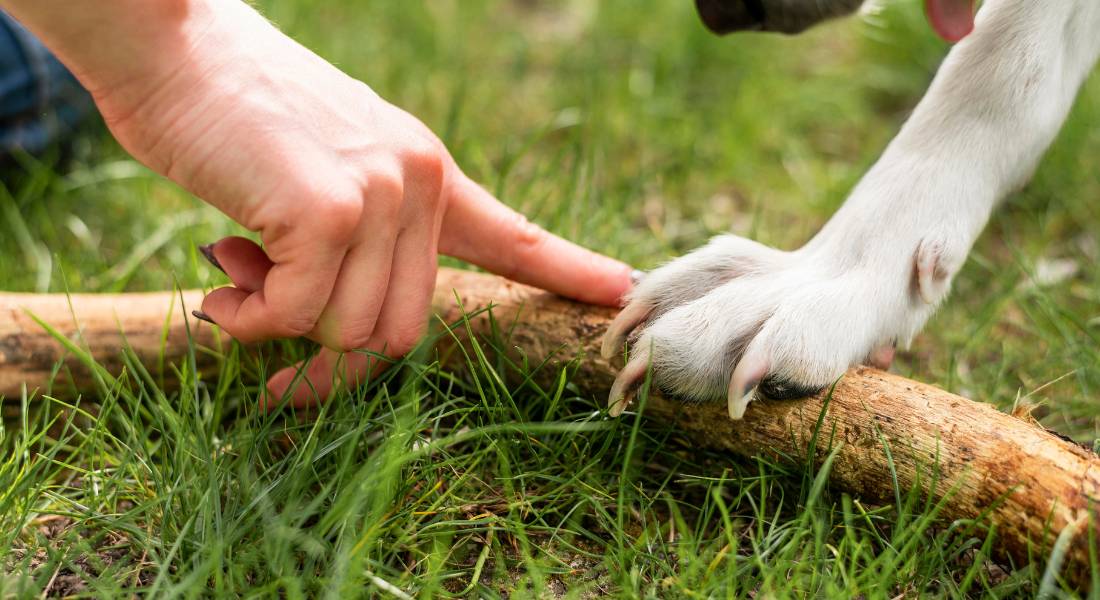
[[781, 389]]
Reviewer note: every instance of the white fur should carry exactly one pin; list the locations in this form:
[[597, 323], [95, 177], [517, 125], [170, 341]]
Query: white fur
[[877, 270]]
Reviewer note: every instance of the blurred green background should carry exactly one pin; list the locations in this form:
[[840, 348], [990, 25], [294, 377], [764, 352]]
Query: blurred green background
[[625, 126]]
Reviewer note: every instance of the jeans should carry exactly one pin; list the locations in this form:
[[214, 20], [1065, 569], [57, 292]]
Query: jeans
[[41, 103]]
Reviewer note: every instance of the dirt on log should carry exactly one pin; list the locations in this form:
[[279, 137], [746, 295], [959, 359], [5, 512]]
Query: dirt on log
[[1035, 488]]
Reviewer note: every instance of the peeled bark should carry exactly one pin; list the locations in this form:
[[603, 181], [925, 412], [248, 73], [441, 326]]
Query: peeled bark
[[1031, 484]]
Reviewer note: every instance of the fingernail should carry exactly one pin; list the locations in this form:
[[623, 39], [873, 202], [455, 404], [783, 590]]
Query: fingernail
[[636, 276], [207, 251], [198, 314]]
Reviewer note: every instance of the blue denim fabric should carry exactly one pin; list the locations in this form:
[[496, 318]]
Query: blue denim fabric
[[40, 101]]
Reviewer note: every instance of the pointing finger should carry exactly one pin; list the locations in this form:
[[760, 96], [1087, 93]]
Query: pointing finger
[[481, 230]]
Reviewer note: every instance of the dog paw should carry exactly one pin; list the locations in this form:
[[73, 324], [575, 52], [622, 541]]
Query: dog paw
[[736, 319]]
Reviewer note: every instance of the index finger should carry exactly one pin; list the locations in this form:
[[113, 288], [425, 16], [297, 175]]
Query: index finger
[[479, 229]]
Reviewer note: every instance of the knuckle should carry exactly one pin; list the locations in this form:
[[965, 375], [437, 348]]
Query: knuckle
[[524, 242], [336, 213], [527, 238], [427, 158], [294, 326], [385, 188], [404, 339], [386, 181], [353, 338], [426, 162]]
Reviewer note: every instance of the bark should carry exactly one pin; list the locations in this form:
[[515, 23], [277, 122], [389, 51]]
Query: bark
[[152, 324], [1030, 484]]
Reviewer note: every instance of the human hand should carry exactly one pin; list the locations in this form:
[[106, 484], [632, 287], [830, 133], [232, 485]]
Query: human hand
[[353, 197]]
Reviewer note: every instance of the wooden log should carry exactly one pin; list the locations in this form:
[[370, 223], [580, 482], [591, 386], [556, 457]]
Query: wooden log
[[1031, 485], [152, 324]]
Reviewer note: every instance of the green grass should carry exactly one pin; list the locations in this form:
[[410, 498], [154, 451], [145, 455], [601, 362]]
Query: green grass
[[624, 126]]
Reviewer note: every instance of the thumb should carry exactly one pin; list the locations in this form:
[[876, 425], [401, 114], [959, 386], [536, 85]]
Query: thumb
[[479, 229]]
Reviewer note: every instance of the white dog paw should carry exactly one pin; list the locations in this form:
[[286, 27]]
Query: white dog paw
[[736, 319], [689, 278]]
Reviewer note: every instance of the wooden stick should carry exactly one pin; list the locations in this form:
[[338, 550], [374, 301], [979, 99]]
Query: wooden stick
[[1031, 485], [152, 324]]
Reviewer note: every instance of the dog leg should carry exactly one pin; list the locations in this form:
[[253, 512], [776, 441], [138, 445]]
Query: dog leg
[[877, 270]]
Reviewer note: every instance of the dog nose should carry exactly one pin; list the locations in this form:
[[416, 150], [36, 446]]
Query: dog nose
[[727, 16], [784, 16]]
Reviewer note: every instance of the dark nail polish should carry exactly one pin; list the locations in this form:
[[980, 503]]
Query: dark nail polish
[[636, 276], [198, 314], [208, 253]]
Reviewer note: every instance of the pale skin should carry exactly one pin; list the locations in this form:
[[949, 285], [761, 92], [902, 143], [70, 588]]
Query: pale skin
[[353, 197]]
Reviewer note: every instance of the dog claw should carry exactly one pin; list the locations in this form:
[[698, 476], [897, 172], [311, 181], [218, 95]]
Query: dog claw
[[622, 391], [932, 270], [746, 378], [626, 321]]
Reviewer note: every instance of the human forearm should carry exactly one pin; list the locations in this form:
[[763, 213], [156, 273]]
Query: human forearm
[[113, 44]]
